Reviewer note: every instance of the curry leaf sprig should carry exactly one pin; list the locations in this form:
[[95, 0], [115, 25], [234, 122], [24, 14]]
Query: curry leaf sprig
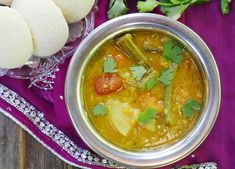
[[171, 8]]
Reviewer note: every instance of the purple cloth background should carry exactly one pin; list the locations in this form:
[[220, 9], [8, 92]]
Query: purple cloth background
[[217, 31]]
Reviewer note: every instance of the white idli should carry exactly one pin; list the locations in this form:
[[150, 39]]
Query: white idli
[[74, 10], [47, 24], [16, 46], [6, 2]]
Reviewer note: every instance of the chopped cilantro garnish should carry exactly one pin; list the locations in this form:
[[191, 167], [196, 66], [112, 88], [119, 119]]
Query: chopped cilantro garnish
[[117, 8], [146, 116], [100, 110], [151, 83], [172, 52], [109, 65], [190, 107], [168, 75], [138, 72]]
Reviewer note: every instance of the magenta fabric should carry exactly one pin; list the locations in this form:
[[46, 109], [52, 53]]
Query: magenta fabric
[[216, 30]]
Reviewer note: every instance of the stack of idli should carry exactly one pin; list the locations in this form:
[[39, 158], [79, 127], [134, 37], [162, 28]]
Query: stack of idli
[[36, 27], [74, 10], [47, 24], [6, 2], [16, 45]]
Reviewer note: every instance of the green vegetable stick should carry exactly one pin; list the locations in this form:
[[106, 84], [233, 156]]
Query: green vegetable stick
[[167, 100], [127, 45]]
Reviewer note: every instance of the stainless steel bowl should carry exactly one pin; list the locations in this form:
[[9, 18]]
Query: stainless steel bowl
[[170, 153]]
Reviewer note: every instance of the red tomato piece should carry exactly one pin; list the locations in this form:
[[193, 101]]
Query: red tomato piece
[[108, 83]]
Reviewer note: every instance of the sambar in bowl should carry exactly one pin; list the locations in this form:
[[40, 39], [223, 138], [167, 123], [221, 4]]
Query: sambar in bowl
[[143, 90]]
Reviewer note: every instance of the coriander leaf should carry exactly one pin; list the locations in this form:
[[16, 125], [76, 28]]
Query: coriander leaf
[[198, 2], [150, 74], [167, 76], [111, 2], [100, 110], [109, 65], [147, 5], [190, 107], [172, 52], [146, 116], [225, 6], [176, 11], [165, 8], [176, 1], [174, 8], [138, 72], [117, 8], [151, 83]]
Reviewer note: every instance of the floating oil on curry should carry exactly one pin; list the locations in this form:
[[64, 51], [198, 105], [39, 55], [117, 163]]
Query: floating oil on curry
[[143, 90]]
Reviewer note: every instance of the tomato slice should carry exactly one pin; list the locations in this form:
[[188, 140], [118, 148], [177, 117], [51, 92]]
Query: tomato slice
[[108, 83]]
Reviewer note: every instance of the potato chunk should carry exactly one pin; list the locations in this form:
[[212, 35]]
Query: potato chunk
[[122, 115]]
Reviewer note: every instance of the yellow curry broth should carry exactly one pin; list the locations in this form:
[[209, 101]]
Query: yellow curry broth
[[187, 84]]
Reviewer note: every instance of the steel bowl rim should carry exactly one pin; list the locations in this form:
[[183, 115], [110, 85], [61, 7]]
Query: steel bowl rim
[[69, 94]]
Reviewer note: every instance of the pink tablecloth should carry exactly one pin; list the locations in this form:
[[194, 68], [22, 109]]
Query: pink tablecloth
[[43, 113]]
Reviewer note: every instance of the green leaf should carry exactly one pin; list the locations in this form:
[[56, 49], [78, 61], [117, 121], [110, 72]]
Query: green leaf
[[138, 72], [198, 2], [190, 107], [176, 1], [172, 52], [147, 6], [225, 6], [151, 83], [146, 116], [174, 8], [176, 11], [100, 110], [111, 2], [109, 65], [167, 76], [165, 8], [117, 8]]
